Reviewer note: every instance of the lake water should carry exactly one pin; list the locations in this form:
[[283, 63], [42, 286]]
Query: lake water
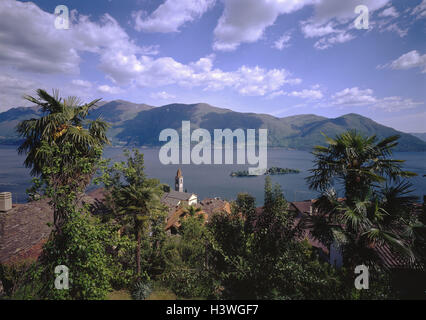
[[209, 180]]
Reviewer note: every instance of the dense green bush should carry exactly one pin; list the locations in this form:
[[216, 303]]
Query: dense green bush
[[82, 247], [186, 271]]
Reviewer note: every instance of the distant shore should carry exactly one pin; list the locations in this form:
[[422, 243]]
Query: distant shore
[[271, 171]]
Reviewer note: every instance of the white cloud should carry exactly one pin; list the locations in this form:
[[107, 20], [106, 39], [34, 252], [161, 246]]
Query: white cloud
[[283, 41], [353, 97], [327, 42], [420, 10], [342, 11], [333, 21], [395, 28], [48, 50], [146, 71], [82, 83], [312, 31], [108, 89], [396, 103], [44, 49], [409, 60], [244, 21], [15, 85], [307, 94], [171, 15], [13, 88], [312, 94], [162, 95], [389, 12]]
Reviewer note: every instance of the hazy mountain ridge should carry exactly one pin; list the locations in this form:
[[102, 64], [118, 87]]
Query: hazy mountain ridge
[[420, 135], [141, 124]]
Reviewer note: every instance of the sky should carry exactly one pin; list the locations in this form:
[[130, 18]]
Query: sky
[[280, 57]]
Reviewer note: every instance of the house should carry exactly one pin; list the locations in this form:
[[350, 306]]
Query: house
[[25, 228], [175, 199], [208, 206], [23, 231]]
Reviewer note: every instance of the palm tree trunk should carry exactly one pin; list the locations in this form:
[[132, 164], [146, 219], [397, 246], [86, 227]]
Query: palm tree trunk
[[138, 253]]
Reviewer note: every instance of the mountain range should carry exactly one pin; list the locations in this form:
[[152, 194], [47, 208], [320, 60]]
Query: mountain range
[[141, 124], [420, 135]]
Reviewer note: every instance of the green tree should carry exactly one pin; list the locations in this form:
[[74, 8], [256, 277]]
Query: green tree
[[187, 268], [63, 121], [377, 205], [357, 162], [134, 198], [79, 241], [63, 149], [86, 248], [246, 203], [267, 261]]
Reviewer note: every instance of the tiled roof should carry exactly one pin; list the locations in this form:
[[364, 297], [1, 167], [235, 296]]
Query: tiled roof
[[23, 229], [184, 196], [214, 205]]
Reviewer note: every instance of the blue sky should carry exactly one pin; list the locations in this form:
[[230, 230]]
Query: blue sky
[[281, 57]]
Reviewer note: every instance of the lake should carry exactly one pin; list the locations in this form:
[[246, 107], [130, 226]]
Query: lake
[[209, 180]]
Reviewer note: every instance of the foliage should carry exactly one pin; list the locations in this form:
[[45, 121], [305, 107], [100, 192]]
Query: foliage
[[65, 175], [263, 259], [357, 162], [134, 201], [186, 270], [63, 149], [63, 121], [372, 214], [88, 248]]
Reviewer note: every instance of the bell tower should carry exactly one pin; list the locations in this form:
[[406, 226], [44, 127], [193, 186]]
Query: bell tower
[[179, 181]]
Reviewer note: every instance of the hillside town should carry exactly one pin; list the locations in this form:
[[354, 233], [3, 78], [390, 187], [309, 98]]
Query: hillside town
[[25, 228]]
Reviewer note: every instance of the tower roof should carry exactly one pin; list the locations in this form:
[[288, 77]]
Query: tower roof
[[179, 173]]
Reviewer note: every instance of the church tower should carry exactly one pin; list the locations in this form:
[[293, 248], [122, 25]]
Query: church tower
[[179, 181]]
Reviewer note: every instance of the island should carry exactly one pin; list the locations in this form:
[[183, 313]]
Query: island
[[270, 171]]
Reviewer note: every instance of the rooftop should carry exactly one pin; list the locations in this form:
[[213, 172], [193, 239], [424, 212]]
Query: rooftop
[[183, 196]]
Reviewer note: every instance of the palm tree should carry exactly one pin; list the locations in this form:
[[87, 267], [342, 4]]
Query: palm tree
[[134, 198], [360, 227], [135, 203], [62, 148], [63, 121], [367, 217], [357, 162]]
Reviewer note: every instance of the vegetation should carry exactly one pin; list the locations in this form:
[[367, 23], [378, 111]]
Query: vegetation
[[120, 246], [134, 199], [271, 171], [377, 208], [63, 121]]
